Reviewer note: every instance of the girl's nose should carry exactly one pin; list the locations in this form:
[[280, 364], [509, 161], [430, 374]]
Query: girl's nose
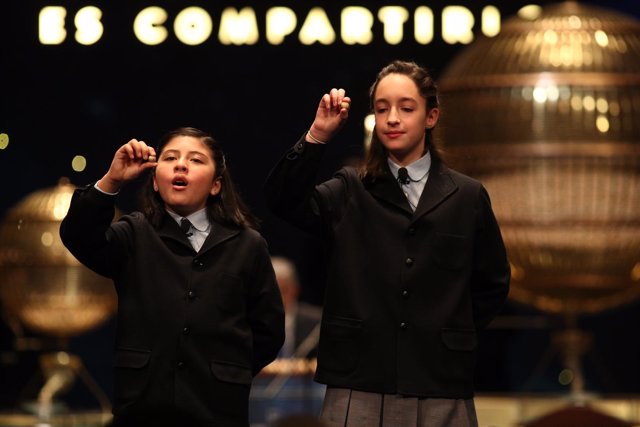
[[181, 164], [393, 116]]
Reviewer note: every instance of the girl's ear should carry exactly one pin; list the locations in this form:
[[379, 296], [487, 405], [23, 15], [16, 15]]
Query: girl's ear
[[216, 186], [155, 184], [432, 118]]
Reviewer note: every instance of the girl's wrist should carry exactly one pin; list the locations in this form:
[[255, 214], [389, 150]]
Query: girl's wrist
[[317, 137], [108, 185], [312, 139]]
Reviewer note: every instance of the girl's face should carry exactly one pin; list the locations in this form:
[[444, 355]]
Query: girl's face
[[185, 175], [401, 118]]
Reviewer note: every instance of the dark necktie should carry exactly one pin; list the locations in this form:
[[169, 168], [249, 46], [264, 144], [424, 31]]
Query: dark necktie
[[403, 176], [185, 226]]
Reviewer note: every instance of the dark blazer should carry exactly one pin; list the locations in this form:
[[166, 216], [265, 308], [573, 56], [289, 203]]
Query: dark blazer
[[192, 328], [406, 291]]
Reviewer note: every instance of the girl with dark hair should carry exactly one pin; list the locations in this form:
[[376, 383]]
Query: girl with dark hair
[[199, 310], [416, 265], [377, 154], [228, 208]]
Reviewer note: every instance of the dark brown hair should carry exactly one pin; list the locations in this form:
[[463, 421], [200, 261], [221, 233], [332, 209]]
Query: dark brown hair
[[226, 207], [375, 160]]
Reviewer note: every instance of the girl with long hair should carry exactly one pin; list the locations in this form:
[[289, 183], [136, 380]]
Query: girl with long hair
[[415, 262], [199, 310]]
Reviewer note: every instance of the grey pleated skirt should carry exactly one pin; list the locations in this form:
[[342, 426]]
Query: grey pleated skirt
[[350, 408]]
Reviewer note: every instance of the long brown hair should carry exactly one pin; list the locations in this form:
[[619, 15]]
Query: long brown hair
[[226, 207], [375, 159]]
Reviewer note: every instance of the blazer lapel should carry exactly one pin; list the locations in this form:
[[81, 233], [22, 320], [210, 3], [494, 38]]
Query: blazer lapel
[[170, 229], [219, 233], [438, 188], [387, 188]]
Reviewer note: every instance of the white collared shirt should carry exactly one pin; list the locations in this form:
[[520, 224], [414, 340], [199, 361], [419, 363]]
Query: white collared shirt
[[419, 173], [200, 227]]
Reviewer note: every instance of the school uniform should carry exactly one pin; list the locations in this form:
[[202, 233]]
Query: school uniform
[[407, 289], [193, 326]]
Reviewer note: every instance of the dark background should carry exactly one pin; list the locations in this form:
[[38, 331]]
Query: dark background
[[63, 100]]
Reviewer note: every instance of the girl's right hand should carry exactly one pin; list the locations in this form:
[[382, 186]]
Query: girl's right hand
[[128, 163], [332, 113]]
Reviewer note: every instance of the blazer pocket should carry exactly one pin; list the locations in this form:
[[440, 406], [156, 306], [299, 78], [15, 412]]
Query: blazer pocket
[[459, 339], [231, 372], [340, 343], [131, 358], [131, 375], [452, 251]]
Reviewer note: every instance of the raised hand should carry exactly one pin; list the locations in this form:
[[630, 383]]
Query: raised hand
[[332, 113], [128, 163]]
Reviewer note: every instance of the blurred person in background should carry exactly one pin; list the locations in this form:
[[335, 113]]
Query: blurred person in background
[[302, 320]]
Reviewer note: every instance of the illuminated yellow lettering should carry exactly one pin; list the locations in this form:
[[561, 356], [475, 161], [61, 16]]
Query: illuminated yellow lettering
[[393, 18], [356, 23], [281, 21], [193, 26], [238, 27], [149, 25], [490, 21], [423, 25], [457, 24], [317, 28], [51, 25], [89, 29]]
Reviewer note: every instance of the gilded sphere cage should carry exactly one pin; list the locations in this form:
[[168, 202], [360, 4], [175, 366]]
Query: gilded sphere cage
[[41, 283], [546, 115], [45, 289]]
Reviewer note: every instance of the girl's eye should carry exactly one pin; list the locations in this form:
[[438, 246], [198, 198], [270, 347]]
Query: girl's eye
[[169, 157], [381, 110], [196, 160]]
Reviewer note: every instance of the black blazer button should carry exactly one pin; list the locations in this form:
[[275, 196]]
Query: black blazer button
[[181, 364], [191, 294], [408, 262], [403, 325], [185, 330], [298, 149], [405, 293]]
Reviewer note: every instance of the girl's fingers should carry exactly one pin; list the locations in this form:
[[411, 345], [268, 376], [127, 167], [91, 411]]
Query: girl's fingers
[[128, 150], [336, 99], [326, 101], [337, 96], [140, 147], [136, 149]]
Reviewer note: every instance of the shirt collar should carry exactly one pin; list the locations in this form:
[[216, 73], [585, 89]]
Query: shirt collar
[[198, 219], [417, 170]]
